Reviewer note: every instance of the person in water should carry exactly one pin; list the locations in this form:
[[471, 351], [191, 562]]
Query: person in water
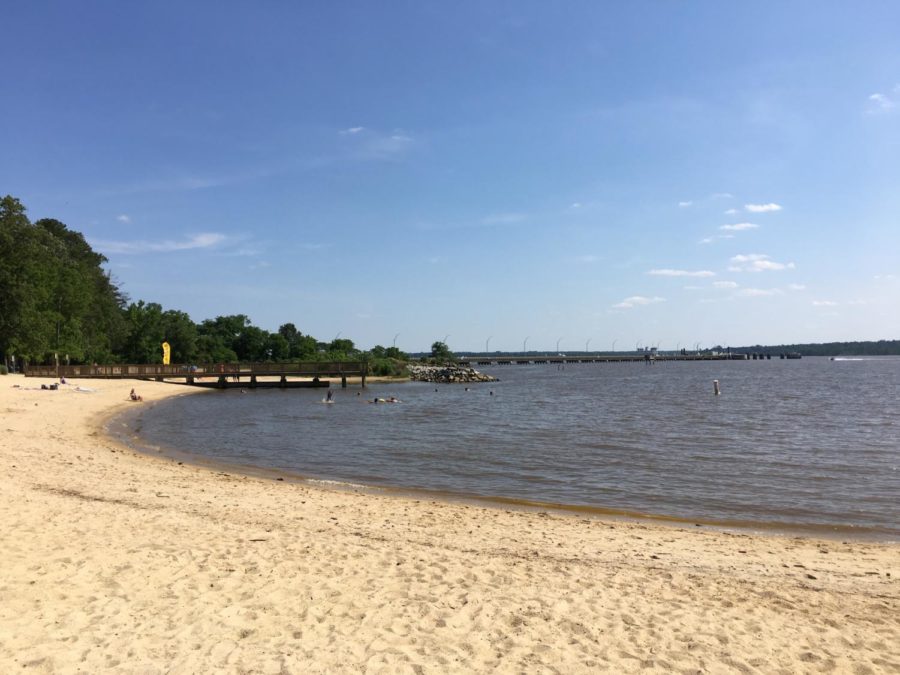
[[329, 397]]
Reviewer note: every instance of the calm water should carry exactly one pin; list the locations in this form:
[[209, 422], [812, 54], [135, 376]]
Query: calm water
[[810, 443]]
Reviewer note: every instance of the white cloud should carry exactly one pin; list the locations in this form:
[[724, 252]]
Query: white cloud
[[707, 240], [879, 102], [824, 303], [756, 262], [368, 144], [198, 241], [721, 195], [731, 212], [685, 204], [762, 208], [681, 273], [387, 147], [124, 218], [725, 284], [738, 227], [796, 287], [637, 301], [758, 292]]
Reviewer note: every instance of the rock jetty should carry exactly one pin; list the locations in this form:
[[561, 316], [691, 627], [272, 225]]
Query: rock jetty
[[447, 373]]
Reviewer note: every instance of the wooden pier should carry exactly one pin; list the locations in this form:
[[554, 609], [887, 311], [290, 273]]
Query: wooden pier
[[218, 375]]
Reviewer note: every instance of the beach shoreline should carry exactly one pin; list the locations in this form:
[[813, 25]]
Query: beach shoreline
[[126, 438], [119, 560]]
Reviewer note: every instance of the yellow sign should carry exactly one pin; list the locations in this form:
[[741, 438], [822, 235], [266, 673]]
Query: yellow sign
[[167, 352]]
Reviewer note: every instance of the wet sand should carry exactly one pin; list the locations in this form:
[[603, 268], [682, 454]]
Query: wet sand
[[117, 561]]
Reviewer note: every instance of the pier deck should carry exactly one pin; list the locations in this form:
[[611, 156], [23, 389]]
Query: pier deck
[[221, 375]]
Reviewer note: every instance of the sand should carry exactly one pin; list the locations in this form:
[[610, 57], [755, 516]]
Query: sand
[[114, 561]]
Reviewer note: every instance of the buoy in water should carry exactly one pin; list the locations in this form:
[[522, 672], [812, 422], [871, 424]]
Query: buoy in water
[[716, 387]]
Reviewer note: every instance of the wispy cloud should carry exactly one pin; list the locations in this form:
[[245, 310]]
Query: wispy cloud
[[637, 301], [731, 212], [681, 273], [881, 102], [757, 262], [587, 259], [725, 284], [124, 218], [796, 287], [199, 241], [824, 303], [763, 208], [369, 144], [704, 200], [738, 227], [758, 292]]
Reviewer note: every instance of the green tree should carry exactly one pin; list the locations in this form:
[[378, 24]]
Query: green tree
[[278, 347], [25, 283], [146, 333], [440, 351], [181, 334], [252, 344]]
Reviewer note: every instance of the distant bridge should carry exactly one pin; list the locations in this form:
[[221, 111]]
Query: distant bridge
[[219, 375], [505, 360]]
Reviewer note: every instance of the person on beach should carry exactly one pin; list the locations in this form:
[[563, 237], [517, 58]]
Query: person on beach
[[134, 396]]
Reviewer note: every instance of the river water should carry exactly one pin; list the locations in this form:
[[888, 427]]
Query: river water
[[812, 444]]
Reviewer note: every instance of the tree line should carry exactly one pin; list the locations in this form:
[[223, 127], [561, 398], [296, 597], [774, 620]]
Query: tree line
[[862, 348], [58, 301]]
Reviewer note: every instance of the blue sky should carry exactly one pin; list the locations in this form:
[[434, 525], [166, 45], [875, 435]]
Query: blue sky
[[663, 173]]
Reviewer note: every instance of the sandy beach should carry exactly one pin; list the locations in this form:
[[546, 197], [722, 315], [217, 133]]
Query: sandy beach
[[114, 561]]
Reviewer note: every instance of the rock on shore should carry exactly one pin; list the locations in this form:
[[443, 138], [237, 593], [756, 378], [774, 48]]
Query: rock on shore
[[447, 373]]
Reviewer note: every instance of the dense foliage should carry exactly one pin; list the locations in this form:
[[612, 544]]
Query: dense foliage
[[867, 348], [56, 299]]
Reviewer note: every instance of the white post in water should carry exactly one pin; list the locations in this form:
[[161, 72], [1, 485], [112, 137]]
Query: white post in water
[[716, 387]]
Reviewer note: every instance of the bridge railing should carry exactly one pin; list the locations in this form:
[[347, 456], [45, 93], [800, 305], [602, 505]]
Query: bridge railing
[[138, 371]]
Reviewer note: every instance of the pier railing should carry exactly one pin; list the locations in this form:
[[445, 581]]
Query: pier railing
[[191, 372]]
